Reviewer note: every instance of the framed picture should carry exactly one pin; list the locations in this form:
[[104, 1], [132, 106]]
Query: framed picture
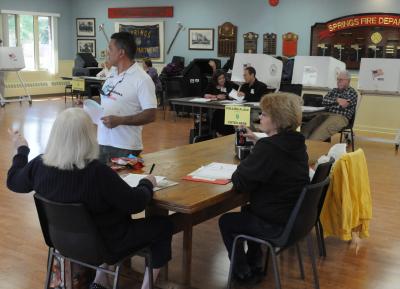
[[85, 27], [201, 38], [149, 38], [86, 46]]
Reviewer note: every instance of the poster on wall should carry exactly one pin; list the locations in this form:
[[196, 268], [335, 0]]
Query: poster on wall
[[149, 38]]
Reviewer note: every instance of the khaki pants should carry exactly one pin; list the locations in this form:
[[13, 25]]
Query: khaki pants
[[324, 125]]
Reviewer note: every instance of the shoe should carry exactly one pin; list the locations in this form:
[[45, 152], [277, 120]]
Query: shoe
[[96, 286]]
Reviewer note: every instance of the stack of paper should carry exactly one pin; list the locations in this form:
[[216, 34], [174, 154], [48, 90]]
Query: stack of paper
[[218, 173], [162, 182], [94, 110]]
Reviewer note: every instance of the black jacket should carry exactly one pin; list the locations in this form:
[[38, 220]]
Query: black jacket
[[254, 92], [274, 174]]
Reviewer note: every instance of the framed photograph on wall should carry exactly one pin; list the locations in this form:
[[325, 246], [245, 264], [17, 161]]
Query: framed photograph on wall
[[86, 46], [149, 38], [201, 38], [85, 27]]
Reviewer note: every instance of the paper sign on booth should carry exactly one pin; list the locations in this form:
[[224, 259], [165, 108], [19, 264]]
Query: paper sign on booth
[[237, 115], [78, 84]]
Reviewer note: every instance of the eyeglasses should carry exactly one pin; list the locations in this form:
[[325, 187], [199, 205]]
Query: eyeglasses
[[109, 89]]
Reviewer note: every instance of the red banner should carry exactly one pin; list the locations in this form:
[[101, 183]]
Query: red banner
[[141, 12], [365, 20]]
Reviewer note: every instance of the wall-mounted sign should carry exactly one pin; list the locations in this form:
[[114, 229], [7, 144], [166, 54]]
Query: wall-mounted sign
[[250, 42], [141, 12]]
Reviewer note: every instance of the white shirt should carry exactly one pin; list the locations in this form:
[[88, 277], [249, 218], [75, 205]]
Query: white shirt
[[105, 72], [127, 93]]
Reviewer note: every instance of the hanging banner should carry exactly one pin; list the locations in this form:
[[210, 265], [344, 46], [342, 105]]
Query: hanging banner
[[362, 20], [149, 38]]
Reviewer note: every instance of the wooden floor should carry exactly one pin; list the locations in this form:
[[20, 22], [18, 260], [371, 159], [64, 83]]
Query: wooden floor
[[23, 252]]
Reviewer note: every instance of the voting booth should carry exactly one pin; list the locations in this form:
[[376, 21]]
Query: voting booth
[[380, 75], [12, 59], [268, 69], [317, 71]]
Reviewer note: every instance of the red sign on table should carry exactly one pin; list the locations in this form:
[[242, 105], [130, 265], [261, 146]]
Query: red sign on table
[[141, 12]]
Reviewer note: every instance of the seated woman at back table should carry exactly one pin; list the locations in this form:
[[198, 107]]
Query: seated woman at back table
[[152, 72], [273, 174], [219, 89], [74, 175]]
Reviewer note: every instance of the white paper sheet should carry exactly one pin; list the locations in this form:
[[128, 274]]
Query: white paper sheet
[[234, 94], [215, 171], [260, 135], [200, 99], [94, 110], [312, 108], [162, 182]]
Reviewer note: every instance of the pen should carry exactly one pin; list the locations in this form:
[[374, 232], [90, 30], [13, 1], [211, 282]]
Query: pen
[[152, 168]]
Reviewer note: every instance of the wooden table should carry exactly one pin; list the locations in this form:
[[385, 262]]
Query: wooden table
[[196, 202]]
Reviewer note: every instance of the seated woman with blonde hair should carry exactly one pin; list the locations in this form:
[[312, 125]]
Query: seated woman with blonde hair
[[69, 172], [273, 174]]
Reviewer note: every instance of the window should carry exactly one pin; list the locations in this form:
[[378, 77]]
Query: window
[[35, 34]]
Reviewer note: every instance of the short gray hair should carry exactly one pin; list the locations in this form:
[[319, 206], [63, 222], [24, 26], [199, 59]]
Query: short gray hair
[[345, 73], [72, 142]]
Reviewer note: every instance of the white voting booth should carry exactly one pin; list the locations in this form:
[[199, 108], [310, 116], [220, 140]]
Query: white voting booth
[[379, 75], [317, 71], [268, 69], [12, 59]]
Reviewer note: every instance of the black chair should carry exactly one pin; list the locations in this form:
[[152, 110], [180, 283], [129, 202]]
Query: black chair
[[348, 130], [70, 233], [322, 172], [292, 88], [301, 221]]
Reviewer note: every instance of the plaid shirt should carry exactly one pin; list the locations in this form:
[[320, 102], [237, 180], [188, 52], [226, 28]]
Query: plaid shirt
[[331, 104]]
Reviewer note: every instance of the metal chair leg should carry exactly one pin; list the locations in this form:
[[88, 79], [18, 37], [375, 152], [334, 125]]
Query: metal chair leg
[[50, 260], [229, 285], [276, 269], [266, 262], [352, 139], [116, 276], [149, 266], [321, 238], [313, 263], [300, 261], [317, 235]]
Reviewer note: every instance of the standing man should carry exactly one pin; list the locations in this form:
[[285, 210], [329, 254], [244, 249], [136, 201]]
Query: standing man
[[253, 89], [341, 105], [128, 100]]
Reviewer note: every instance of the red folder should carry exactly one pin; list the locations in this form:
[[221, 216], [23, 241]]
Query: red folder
[[217, 182]]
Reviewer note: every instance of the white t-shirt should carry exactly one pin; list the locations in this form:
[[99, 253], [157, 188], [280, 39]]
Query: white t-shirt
[[127, 93]]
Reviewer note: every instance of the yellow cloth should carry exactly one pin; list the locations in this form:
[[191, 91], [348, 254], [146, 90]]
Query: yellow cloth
[[348, 205]]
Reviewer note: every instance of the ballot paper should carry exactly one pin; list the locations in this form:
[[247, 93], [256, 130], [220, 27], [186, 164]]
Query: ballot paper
[[214, 171], [94, 110], [260, 135], [162, 182], [200, 99], [234, 94]]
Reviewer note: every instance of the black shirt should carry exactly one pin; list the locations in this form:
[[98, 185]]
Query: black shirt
[[212, 88], [254, 92], [109, 199], [274, 174]]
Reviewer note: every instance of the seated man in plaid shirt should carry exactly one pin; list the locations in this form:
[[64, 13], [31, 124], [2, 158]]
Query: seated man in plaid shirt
[[340, 106]]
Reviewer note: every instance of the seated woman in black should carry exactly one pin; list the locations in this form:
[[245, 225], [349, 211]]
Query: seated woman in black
[[273, 174], [219, 89], [69, 172]]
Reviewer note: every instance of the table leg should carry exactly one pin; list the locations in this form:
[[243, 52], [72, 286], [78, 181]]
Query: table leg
[[187, 253], [201, 118]]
